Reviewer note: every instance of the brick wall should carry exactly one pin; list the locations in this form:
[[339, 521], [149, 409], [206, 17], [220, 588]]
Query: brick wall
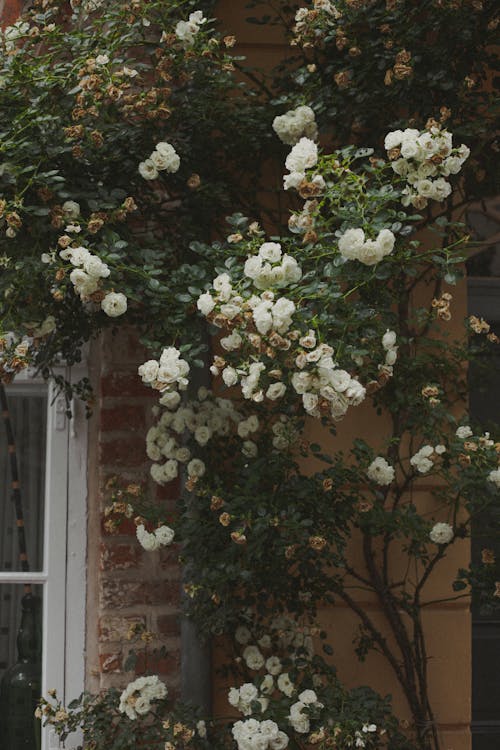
[[126, 585]]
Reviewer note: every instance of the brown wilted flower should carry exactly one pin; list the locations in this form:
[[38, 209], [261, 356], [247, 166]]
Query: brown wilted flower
[[317, 543], [225, 519], [402, 71], [95, 223], [364, 506], [445, 113], [238, 537], [497, 589], [342, 79], [478, 325], [464, 459], [430, 391], [493, 338], [290, 551], [129, 205], [13, 220], [194, 181], [327, 484], [403, 57], [487, 556], [229, 40], [216, 502], [60, 274]]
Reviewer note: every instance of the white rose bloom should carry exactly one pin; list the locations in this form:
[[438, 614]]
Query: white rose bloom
[[276, 391], [464, 432], [385, 240], [201, 728], [285, 684], [494, 476], [95, 267], [182, 455], [71, 209], [380, 472], [230, 376], [147, 170], [308, 697], [242, 635], [253, 266], [148, 541], [391, 357], [165, 157], [370, 253], [351, 243], [205, 303], [267, 684], [273, 665], [233, 697], [232, 342], [77, 255], [280, 742], [270, 251], [164, 535], [249, 449], [303, 155], [114, 304], [291, 270], [292, 181], [221, 281], [202, 435], [148, 371], [248, 692], [393, 139], [340, 380], [196, 468], [400, 167], [442, 189], [253, 658], [389, 339], [441, 533], [170, 399]]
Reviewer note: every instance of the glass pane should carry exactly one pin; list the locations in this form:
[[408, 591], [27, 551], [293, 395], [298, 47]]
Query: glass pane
[[28, 414], [20, 666]]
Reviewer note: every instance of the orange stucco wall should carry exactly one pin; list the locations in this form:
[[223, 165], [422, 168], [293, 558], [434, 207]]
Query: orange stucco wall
[[448, 625]]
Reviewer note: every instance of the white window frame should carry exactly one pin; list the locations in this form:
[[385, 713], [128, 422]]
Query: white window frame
[[63, 574]]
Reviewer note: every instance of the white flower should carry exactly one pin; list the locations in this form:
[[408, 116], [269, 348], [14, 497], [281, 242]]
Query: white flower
[[95, 267], [308, 697], [463, 432], [165, 535], [114, 304], [351, 242], [389, 339], [148, 541], [186, 31], [393, 139], [276, 391], [102, 60], [249, 449], [273, 665], [294, 124], [285, 684], [385, 240], [148, 371], [136, 697], [201, 728], [230, 376], [380, 471], [165, 157], [205, 303], [148, 170], [270, 251], [293, 180], [494, 476], [441, 533], [253, 658], [196, 468], [71, 209], [242, 635], [303, 155]]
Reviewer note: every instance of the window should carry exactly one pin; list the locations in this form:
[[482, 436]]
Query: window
[[52, 464]]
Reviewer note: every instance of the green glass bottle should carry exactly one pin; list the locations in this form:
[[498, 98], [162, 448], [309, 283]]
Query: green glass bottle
[[20, 687]]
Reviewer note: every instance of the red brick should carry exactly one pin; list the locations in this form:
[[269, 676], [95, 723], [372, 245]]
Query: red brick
[[116, 628], [126, 528], [123, 417], [130, 451], [110, 662], [120, 556], [119, 594], [168, 625], [124, 383], [10, 11], [168, 664], [169, 558]]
